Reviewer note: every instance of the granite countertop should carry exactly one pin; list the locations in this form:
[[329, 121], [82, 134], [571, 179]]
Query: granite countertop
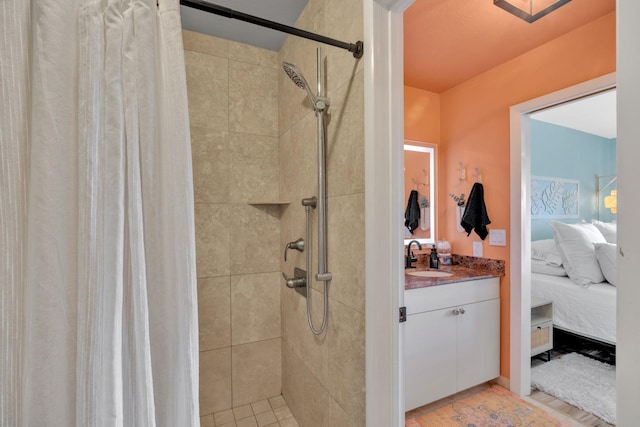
[[464, 269]]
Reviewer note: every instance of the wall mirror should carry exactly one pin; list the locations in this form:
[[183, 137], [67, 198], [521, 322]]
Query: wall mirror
[[419, 175]]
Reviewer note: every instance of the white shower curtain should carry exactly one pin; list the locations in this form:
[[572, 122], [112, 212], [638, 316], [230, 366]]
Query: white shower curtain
[[98, 285]]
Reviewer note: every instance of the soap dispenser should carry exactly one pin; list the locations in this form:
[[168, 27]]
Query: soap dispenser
[[433, 259]]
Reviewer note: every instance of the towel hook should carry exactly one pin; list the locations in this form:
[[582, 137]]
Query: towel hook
[[478, 175]]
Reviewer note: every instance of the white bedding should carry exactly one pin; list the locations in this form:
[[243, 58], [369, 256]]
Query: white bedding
[[587, 311]]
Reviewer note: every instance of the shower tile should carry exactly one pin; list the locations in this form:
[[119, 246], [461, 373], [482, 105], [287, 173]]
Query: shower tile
[[254, 168], [266, 418], [277, 402], [293, 302], [344, 21], [305, 396], [212, 239], [289, 422], [292, 367], [345, 231], [253, 55], [247, 422], [338, 417], [224, 417], [256, 371], [207, 421], [302, 161], [286, 169], [255, 233], [255, 307], [215, 380], [313, 411], [345, 140], [210, 154], [214, 312], [309, 347], [204, 43], [207, 89], [253, 99], [244, 411], [347, 359], [282, 412], [260, 406]]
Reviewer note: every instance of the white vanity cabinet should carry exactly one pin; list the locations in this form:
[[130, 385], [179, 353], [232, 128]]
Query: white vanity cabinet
[[452, 339]]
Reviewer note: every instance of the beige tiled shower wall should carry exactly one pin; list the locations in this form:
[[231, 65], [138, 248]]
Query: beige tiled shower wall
[[323, 377], [233, 110]]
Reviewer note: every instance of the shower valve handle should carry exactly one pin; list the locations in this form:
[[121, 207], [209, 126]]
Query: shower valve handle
[[298, 245], [294, 282]]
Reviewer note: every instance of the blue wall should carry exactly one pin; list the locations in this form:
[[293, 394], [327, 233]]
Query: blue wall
[[561, 152]]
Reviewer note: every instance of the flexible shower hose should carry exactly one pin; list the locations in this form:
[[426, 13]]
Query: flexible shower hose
[[308, 284]]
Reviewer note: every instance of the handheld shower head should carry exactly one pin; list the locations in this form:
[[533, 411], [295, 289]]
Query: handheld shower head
[[295, 75], [319, 103]]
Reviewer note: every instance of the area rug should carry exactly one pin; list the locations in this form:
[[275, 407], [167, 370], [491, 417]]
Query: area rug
[[494, 407], [580, 381]]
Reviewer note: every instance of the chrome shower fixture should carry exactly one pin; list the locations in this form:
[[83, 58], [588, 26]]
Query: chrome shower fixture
[[319, 102]]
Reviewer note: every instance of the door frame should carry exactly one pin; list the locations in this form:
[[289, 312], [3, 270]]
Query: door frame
[[383, 19], [520, 208], [384, 161]]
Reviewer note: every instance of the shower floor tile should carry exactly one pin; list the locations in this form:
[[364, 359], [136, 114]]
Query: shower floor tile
[[272, 412]]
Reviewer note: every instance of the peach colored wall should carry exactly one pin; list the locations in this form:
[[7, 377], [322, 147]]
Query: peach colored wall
[[422, 123], [474, 130], [421, 115]]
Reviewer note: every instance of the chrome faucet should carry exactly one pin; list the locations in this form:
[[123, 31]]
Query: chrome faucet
[[409, 258]]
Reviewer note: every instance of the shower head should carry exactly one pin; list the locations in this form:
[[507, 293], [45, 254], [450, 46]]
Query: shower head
[[296, 76]]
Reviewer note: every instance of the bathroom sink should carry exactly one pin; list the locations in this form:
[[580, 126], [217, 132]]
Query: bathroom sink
[[430, 273]]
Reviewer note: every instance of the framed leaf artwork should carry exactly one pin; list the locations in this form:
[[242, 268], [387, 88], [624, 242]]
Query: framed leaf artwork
[[555, 197]]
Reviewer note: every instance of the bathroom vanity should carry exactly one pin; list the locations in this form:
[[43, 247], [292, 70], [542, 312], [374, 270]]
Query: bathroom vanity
[[452, 333]]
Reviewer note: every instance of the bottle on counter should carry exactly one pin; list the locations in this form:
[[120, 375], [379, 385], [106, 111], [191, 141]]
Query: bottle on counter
[[433, 259], [444, 252]]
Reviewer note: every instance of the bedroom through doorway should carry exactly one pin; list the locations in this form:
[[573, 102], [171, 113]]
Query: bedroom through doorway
[[571, 201]]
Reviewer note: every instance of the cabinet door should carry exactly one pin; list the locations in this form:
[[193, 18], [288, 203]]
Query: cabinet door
[[478, 343], [430, 354]]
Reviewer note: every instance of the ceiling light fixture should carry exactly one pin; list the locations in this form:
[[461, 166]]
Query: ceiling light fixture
[[530, 10]]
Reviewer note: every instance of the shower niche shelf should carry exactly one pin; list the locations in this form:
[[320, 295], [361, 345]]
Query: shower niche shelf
[[269, 202]]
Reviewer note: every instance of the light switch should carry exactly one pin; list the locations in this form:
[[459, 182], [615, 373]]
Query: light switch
[[477, 249], [498, 237]]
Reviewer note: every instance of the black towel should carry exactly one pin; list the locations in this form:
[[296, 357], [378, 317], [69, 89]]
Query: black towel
[[475, 215], [412, 213]]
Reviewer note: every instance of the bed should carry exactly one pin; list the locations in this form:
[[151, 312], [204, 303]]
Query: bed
[[586, 311], [576, 271]]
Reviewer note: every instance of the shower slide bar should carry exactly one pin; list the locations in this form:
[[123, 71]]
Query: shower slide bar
[[356, 48]]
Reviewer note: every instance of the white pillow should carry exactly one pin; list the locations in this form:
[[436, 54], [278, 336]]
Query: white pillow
[[546, 250], [542, 267], [606, 256], [575, 244], [608, 229]]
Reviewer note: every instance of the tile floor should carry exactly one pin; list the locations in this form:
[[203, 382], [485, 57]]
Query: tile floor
[[272, 412]]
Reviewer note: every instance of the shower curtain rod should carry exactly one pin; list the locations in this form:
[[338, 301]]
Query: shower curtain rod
[[355, 48]]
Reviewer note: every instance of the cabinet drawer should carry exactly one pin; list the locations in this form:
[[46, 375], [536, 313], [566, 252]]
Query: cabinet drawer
[[541, 337], [450, 295]]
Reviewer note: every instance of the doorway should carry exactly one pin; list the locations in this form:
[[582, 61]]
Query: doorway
[[521, 222]]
